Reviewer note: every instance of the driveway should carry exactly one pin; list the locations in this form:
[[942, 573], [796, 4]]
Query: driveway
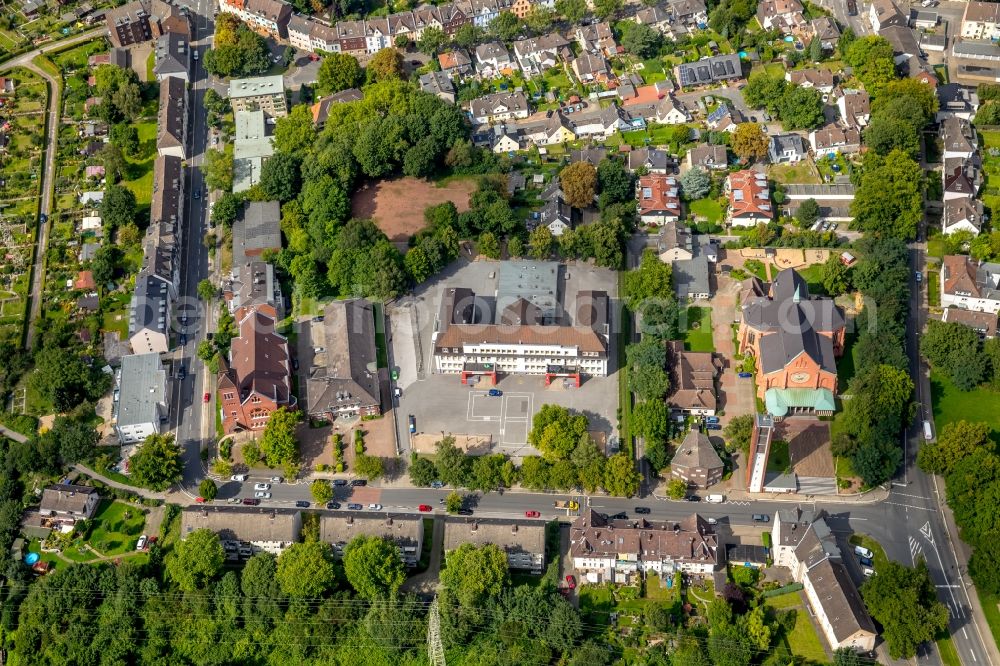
[[732, 94], [427, 582]]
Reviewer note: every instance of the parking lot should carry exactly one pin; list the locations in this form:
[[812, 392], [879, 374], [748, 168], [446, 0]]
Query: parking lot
[[441, 405]]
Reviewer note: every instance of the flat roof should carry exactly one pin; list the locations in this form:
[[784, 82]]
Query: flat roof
[[535, 281], [142, 389], [261, 85]]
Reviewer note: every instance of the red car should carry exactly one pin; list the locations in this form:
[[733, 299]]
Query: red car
[[571, 581], [199, 500], [207, 396], [531, 514], [425, 508]]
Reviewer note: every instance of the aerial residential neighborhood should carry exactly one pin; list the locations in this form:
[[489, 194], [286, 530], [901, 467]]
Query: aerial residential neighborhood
[[525, 331]]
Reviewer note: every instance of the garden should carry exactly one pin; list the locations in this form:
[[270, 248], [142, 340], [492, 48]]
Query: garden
[[113, 531], [698, 332]]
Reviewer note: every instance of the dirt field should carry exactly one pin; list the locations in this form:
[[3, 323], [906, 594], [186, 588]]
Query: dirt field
[[398, 205]]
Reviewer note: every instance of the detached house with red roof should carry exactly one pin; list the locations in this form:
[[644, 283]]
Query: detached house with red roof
[[256, 379], [749, 199], [971, 285], [659, 199]]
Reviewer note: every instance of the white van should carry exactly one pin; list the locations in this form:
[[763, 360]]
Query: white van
[[868, 572], [715, 499], [863, 552]]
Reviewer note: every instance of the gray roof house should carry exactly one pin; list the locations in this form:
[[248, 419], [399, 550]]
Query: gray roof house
[[522, 540], [709, 70], [653, 160], [69, 500], [788, 148], [252, 146], [256, 229], [708, 156], [254, 284], [440, 84], [696, 461], [254, 529], [405, 531], [171, 126], [172, 57], [141, 406]]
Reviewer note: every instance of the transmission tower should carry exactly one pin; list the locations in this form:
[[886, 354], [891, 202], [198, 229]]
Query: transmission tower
[[435, 650]]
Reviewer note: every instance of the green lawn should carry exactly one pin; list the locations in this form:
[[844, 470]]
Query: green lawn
[[814, 277], [775, 69], [880, 560], [952, 405], [991, 609], [117, 526], [949, 655], [710, 209], [595, 605], [140, 169], [793, 173], [380, 350], [845, 364], [933, 289], [698, 336], [779, 460], [803, 640], [936, 246]]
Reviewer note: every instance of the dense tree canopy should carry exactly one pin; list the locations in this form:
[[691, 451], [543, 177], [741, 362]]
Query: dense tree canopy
[[555, 431], [158, 463], [475, 573], [904, 601], [237, 50], [373, 567], [338, 71], [889, 197]]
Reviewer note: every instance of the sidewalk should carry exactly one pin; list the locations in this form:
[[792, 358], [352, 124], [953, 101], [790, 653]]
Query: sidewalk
[[16, 436], [142, 492]]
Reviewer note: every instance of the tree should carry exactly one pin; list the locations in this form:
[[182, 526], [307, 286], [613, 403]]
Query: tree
[[620, 476], [226, 208], [157, 464], [197, 559], [321, 491], [616, 183], [207, 489], [453, 502], [236, 50], [954, 349], [807, 213], [649, 421], [555, 431], [306, 570], [432, 40], [541, 243], [488, 472], [474, 574], [983, 566], [126, 137], [649, 382], [738, 432], [215, 103], [373, 567], [535, 473], [955, 441], [278, 443], [118, 207], [750, 142], [651, 281], [885, 134], [113, 160], [453, 466], [846, 656], [539, 19], [280, 177], [639, 39], [515, 247], [889, 197], [696, 183], [764, 91], [206, 290], [369, 467], [385, 65], [572, 10], [338, 71], [469, 35], [677, 489], [801, 108], [63, 378], [836, 276], [489, 247], [295, 133], [578, 182], [422, 472], [904, 601], [104, 263], [218, 169], [607, 8]]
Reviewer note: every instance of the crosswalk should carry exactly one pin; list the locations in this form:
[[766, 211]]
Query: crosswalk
[[916, 550]]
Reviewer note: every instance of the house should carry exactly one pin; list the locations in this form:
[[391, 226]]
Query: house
[[88, 303], [590, 154], [984, 323], [522, 540], [958, 137], [141, 21], [256, 378], [172, 57], [659, 199], [600, 123], [689, 13], [498, 107], [502, 141], [796, 339], [88, 251], [256, 229], [343, 377], [786, 148], [597, 39], [693, 377], [652, 160], [707, 156], [708, 71], [591, 68], [665, 110], [834, 200], [965, 214], [904, 46], [68, 500], [972, 49], [606, 550], [94, 171], [6, 86], [521, 334], [262, 93], [696, 461], [455, 63], [253, 145], [439, 84], [833, 139], [956, 100], [267, 16], [820, 79], [538, 54], [171, 125], [855, 108], [962, 177], [782, 15], [970, 285], [84, 281], [924, 19], [826, 31], [141, 408], [885, 13], [30, 7], [321, 109], [804, 543], [555, 213], [149, 311], [248, 529], [980, 20], [403, 530], [493, 60], [724, 118], [92, 197], [749, 199], [254, 286], [656, 18]]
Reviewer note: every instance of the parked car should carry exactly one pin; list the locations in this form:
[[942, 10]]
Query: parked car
[[866, 561], [141, 543], [398, 392], [692, 498], [918, 276], [238, 477], [745, 375], [183, 340], [413, 423], [861, 551], [465, 512], [199, 500], [302, 504], [181, 372], [619, 516], [340, 482], [868, 572], [374, 507], [643, 510], [570, 581], [207, 397], [437, 484], [262, 495], [761, 518], [251, 501], [531, 514], [355, 507], [262, 486], [711, 419], [233, 500], [277, 479], [425, 508], [333, 505], [713, 426], [197, 193], [495, 393], [359, 482]]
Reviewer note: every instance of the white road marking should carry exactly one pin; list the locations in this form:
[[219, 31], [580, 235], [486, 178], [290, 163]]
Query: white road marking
[[965, 633], [894, 494], [973, 655], [908, 506]]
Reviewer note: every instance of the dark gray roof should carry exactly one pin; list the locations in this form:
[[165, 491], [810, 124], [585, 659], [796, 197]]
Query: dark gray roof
[[142, 391], [696, 451], [257, 229], [344, 373], [691, 276], [171, 55], [788, 142], [65, 498], [709, 70], [150, 302], [651, 158], [172, 113], [250, 524], [437, 83]]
